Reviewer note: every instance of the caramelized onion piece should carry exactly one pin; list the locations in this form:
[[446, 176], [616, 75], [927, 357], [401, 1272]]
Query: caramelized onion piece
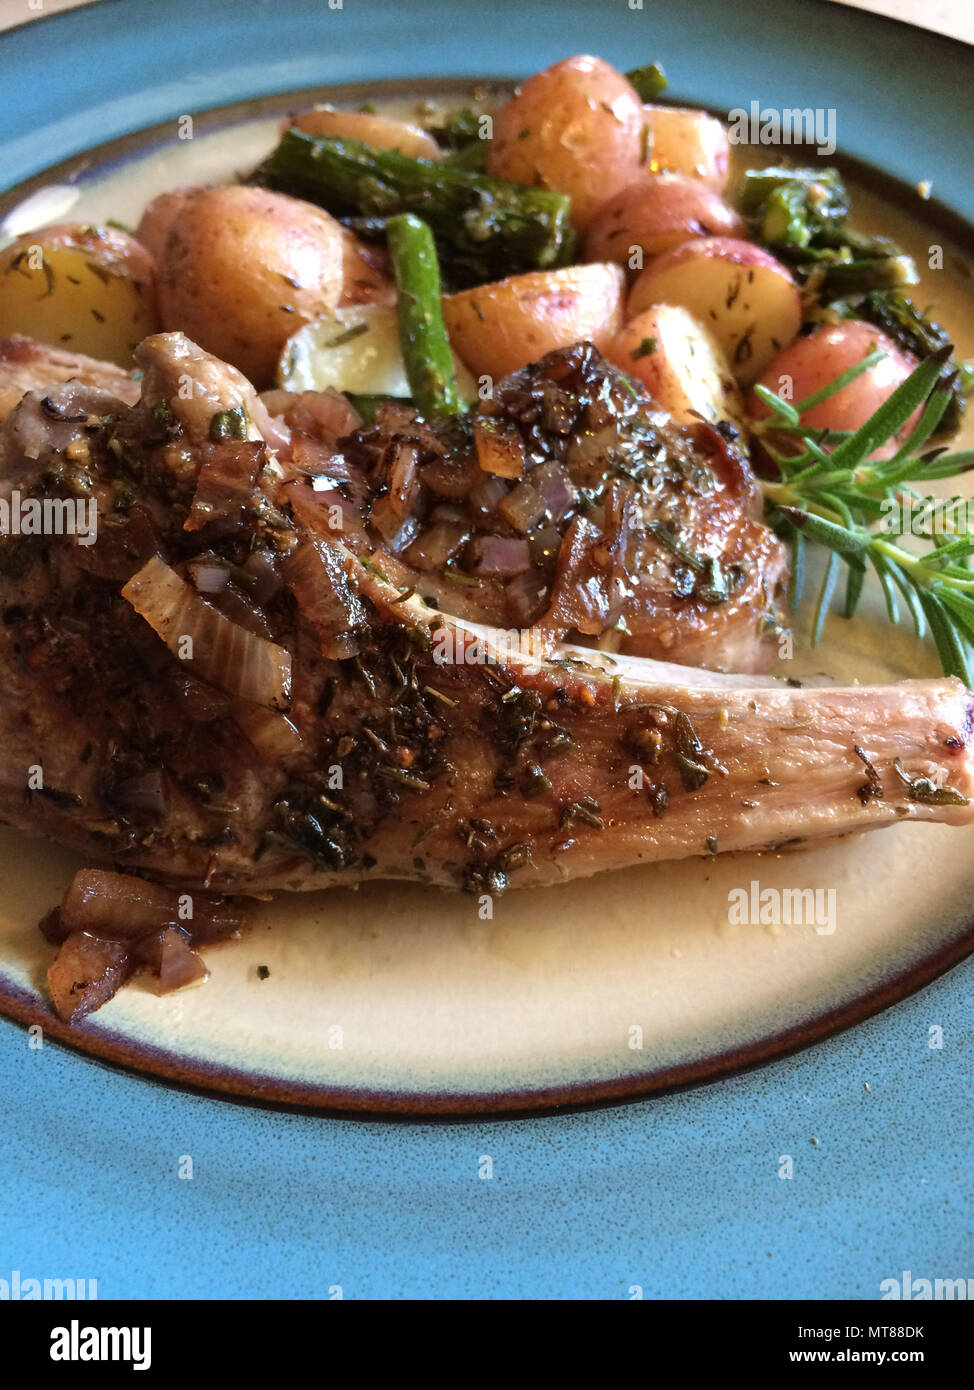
[[223, 653], [85, 973], [170, 957], [437, 544], [556, 489], [118, 906], [498, 557], [316, 575], [500, 448], [487, 496], [526, 597], [225, 483], [522, 508], [272, 734], [122, 907], [391, 510]]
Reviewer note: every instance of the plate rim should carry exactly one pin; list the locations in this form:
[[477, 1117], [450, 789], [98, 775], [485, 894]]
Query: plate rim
[[162, 1067]]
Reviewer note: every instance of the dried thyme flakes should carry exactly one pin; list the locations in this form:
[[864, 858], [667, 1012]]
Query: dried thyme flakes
[[872, 788], [925, 791], [688, 754]]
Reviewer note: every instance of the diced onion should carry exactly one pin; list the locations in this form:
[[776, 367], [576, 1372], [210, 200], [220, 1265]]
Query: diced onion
[[316, 575], [522, 508], [437, 544], [498, 557], [228, 656], [500, 448]]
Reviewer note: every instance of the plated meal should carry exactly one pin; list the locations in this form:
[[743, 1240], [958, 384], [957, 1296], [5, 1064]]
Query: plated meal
[[434, 502]]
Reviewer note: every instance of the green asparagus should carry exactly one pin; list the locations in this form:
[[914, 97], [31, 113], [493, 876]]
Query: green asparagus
[[422, 332], [648, 81], [485, 228], [793, 207]]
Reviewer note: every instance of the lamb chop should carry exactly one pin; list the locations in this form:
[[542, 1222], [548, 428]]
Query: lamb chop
[[230, 694], [26, 365], [569, 503]]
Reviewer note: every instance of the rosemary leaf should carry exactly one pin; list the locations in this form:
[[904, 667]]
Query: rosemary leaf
[[825, 597]]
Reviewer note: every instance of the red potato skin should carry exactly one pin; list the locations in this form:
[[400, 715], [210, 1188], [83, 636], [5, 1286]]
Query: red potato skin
[[651, 288], [501, 327], [733, 250], [574, 128], [656, 213], [242, 268], [365, 273], [378, 131], [365, 268], [812, 362], [158, 217]]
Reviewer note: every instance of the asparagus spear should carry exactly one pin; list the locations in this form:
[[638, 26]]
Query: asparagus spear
[[793, 207], [648, 81], [422, 332], [485, 228], [900, 319], [862, 273]]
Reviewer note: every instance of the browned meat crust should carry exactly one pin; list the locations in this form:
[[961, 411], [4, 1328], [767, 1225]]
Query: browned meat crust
[[411, 745]]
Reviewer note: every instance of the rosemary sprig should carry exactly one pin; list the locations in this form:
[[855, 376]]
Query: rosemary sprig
[[830, 492]]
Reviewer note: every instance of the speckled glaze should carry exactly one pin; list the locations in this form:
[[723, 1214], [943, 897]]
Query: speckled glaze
[[681, 1197]]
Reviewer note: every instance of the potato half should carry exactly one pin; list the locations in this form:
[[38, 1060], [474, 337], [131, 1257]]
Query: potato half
[[242, 268], [499, 327], [680, 363], [747, 299], [576, 128], [82, 288]]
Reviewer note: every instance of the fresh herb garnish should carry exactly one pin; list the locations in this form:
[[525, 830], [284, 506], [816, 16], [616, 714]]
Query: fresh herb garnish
[[835, 498]]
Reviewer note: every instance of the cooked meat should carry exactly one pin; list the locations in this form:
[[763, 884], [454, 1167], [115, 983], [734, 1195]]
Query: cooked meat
[[26, 365], [224, 691], [574, 504]]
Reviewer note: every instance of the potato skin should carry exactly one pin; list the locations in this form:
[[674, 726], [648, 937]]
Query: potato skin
[[812, 362], [86, 289], [656, 213], [378, 131], [242, 268], [746, 297], [689, 142], [681, 365], [500, 327], [574, 128], [154, 225], [365, 273]]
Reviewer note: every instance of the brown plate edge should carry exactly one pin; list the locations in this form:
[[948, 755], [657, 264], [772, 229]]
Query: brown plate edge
[[218, 1082]]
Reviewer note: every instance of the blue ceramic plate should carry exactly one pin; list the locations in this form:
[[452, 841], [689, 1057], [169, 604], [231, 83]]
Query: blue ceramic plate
[[391, 999]]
